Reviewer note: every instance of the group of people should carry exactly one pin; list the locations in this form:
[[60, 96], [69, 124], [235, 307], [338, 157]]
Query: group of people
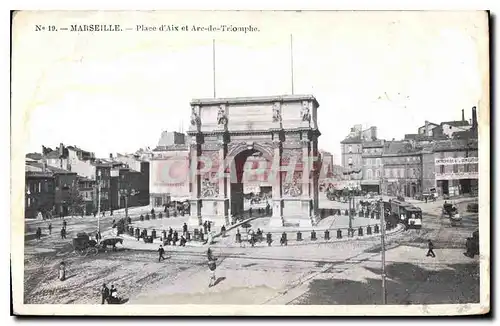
[[173, 237], [109, 295], [38, 232]]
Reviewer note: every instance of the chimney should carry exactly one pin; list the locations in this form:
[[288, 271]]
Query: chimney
[[426, 127], [474, 118], [110, 156], [61, 149], [463, 115]]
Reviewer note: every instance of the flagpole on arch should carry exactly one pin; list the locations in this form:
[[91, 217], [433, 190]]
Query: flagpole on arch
[[213, 65], [291, 60]]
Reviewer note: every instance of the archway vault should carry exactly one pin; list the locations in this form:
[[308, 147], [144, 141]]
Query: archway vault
[[284, 129]]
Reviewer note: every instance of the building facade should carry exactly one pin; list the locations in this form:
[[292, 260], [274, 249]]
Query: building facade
[[402, 169], [39, 193], [372, 165], [456, 166]]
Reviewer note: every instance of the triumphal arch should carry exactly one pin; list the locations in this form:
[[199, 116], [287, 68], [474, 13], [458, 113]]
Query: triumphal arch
[[224, 132]]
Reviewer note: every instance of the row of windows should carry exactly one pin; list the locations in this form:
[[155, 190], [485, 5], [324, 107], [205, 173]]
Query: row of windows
[[401, 160], [38, 187], [372, 150], [373, 161], [458, 168], [400, 173]]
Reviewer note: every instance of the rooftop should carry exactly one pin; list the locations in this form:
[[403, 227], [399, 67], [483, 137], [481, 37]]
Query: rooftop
[[373, 143], [352, 140], [254, 100], [399, 147], [457, 123], [34, 156]]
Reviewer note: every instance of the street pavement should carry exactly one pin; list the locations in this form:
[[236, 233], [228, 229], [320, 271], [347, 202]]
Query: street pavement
[[346, 272]]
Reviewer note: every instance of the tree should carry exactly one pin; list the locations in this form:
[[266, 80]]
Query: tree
[[74, 201]]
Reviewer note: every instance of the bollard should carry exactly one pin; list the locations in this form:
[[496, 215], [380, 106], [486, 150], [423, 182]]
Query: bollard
[[373, 215], [145, 232], [339, 234], [153, 234], [346, 212], [147, 217], [376, 229], [160, 215], [360, 231], [164, 235], [313, 235], [299, 236], [188, 236], [238, 237], [153, 216], [327, 235], [142, 218], [137, 232]]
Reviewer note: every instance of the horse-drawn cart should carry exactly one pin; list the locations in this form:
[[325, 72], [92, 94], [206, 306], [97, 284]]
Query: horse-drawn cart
[[84, 246]]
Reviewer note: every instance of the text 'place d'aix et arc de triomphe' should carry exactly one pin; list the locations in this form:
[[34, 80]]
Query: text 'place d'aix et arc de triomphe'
[[224, 132]]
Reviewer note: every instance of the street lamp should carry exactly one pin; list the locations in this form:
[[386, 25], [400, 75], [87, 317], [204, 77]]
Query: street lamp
[[99, 201], [126, 193], [382, 240]]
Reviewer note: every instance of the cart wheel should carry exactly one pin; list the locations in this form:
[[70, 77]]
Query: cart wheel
[[81, 252], [93, 251]]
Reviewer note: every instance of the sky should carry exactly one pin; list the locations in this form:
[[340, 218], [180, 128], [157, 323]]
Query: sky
[[115, 92]]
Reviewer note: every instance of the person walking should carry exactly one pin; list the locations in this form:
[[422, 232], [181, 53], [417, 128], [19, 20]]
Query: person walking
[[161, 252], [104, 293], [212, 266], [430, 252], [50, 228], [63, 233], [184, 229]]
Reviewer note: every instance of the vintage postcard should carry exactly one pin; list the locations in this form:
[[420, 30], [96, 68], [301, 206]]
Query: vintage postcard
[[250, 163]]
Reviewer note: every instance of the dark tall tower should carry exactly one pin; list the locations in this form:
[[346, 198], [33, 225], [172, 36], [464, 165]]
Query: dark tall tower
[[474, 118], [463, 115]]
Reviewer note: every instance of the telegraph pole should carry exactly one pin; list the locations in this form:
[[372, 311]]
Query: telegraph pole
[[382, 240], [99, 201]]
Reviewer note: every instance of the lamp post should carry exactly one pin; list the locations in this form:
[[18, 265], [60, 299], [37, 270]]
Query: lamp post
[[382, 241], [126, 192], [99, 201]]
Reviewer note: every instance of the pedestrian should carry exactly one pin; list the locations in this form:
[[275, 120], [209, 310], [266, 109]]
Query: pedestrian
[[38, 233], [209, 225], [62, 271], [205, 227], [212, 265], [104, 293], [110, 212], [426, 199], [183, 241], [184, 229], [176, 237], [63, 233], [98, 236], [103, 213], [50, 228], [161, 251], [430, 252], [65, 223], [223, 230], [250, 212]]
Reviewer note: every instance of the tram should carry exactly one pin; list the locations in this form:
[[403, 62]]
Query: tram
[[408, 214]]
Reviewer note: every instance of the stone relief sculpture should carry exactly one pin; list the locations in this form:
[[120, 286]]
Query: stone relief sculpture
[[294, 188], [305, 112], [195, 118], [221, 116], [209, 188], [276, 112]]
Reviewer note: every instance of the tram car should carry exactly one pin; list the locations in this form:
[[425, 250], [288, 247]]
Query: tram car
[[407, 214]]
